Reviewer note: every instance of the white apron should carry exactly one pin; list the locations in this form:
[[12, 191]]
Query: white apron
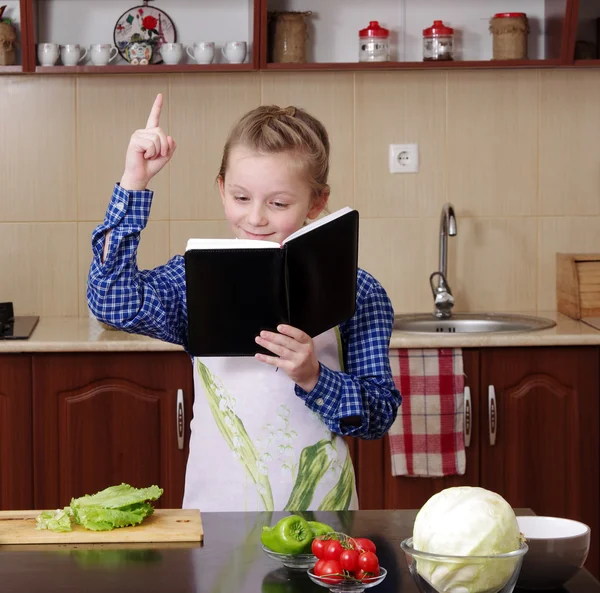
[[255, 446]]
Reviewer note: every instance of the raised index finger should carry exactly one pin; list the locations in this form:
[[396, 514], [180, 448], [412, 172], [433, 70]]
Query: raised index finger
[[154, 116]]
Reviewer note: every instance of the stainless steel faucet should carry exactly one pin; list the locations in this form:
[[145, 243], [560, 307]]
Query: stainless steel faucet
[[442, 295]]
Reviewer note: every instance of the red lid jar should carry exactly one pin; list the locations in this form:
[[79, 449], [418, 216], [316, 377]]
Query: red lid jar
[[438, 29], [374, 30], [509, 31], [438, 42], [374, 43], [509, 15]]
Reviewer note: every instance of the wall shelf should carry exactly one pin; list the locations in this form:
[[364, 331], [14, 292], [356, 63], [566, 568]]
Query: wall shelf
[[587, 63], [558, 26], [11, 69], [450, 65], [149, 69]]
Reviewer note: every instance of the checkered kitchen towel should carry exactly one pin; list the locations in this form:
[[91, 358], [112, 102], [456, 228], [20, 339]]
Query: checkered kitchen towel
[[427, 437]]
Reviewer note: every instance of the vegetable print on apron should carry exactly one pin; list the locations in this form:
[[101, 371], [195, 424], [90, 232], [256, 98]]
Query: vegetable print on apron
[[255, 446]]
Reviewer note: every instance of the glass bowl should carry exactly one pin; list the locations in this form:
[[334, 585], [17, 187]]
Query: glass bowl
[[349, 585], [438, 573], [294, 561]]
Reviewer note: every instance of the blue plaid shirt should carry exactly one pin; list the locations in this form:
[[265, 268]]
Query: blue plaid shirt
[[361, 402]]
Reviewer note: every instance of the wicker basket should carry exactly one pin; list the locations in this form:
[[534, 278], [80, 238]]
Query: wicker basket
[[509, 37], [8, 43]]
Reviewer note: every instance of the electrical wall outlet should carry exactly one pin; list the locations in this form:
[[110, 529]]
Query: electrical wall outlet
[[404, 158]]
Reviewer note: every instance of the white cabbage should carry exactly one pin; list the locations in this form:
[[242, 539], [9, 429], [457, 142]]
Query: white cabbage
[[466, 521]]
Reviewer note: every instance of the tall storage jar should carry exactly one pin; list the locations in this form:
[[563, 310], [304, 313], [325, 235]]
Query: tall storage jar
[[509, 31], [288, 36]]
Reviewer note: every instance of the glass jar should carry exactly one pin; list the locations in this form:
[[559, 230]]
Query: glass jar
[[289, 33], [438, 42], [374, 43]]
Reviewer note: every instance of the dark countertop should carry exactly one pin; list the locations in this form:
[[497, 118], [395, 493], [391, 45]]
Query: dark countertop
[[229, 561]]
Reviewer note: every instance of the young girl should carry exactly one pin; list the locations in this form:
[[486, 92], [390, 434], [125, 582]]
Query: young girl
[[261, 439]]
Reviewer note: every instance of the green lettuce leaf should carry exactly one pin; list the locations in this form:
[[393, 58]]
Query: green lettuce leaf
[[101, 519], [116, 506], [59, 520], [117, 497]]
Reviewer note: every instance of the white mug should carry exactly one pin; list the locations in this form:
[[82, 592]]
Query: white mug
[[234, 51], [48, 53], [71, 55], [171, 53], [203, 52], [103, 53]]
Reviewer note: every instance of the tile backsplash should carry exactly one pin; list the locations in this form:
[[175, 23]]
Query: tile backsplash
[[513, 150]]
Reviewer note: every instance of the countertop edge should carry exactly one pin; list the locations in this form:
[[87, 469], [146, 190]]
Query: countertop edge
[[402, 340], [75, 334]]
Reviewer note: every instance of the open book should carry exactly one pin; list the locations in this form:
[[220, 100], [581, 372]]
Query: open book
[[237, 287]]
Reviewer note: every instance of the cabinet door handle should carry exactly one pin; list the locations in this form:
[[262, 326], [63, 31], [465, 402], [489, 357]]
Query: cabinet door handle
[[468, 417], [180, 419], [492, 414]]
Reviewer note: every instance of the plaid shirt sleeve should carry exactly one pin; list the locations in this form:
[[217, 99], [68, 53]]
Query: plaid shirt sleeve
[[148, 302], [366, 387]]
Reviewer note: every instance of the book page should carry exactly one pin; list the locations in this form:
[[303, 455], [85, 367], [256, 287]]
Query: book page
[[230, 244], [319, 222]]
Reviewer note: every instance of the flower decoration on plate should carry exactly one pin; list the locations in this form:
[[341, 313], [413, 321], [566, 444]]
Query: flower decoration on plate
[[146, 28]]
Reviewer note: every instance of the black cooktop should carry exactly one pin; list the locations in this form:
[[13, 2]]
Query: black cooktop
[[19, 328], [15, 328]]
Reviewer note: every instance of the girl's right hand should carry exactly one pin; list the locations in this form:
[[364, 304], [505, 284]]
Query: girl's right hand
[[149, 150]]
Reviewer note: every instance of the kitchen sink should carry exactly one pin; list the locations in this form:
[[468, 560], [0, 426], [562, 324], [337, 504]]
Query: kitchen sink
[[461, 323]]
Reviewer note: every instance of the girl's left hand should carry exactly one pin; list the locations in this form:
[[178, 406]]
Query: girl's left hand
[[295, 354]]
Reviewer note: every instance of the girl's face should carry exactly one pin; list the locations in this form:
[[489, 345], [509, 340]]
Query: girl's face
[[266, 196]]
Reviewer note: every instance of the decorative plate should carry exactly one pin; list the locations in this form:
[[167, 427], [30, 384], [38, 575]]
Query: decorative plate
[[144, 25]]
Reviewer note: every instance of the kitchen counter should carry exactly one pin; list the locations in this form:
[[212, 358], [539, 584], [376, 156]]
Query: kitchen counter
[[230, 560], [80, 334], [566, 332]]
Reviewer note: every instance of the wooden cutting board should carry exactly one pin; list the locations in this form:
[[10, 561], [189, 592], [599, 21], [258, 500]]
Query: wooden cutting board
[[164, 525]]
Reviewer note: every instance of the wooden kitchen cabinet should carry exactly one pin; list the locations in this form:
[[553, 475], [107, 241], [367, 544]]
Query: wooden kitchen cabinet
[[16, 467], [400, 492], [586, 42], [104, 418], [545, 455]]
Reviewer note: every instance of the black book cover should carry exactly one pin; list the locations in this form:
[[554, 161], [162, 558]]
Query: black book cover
[[235, 288]]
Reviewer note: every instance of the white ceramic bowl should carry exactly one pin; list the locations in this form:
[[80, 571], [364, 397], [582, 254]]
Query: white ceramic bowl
[[558, 548]]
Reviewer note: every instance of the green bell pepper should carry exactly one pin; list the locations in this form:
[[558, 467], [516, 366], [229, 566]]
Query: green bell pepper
[[290, 535], [319, 528]]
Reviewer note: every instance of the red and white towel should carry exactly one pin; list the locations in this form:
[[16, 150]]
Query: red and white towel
[[427, 438]]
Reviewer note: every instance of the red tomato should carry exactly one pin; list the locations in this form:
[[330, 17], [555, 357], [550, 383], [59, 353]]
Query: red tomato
[[349, 560], [368, 562], [331, 572], [333, 550], [365, 545], [318, 567], [318, 547], [361, 575]]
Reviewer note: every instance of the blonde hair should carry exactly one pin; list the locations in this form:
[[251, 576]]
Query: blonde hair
[[271, 129]]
